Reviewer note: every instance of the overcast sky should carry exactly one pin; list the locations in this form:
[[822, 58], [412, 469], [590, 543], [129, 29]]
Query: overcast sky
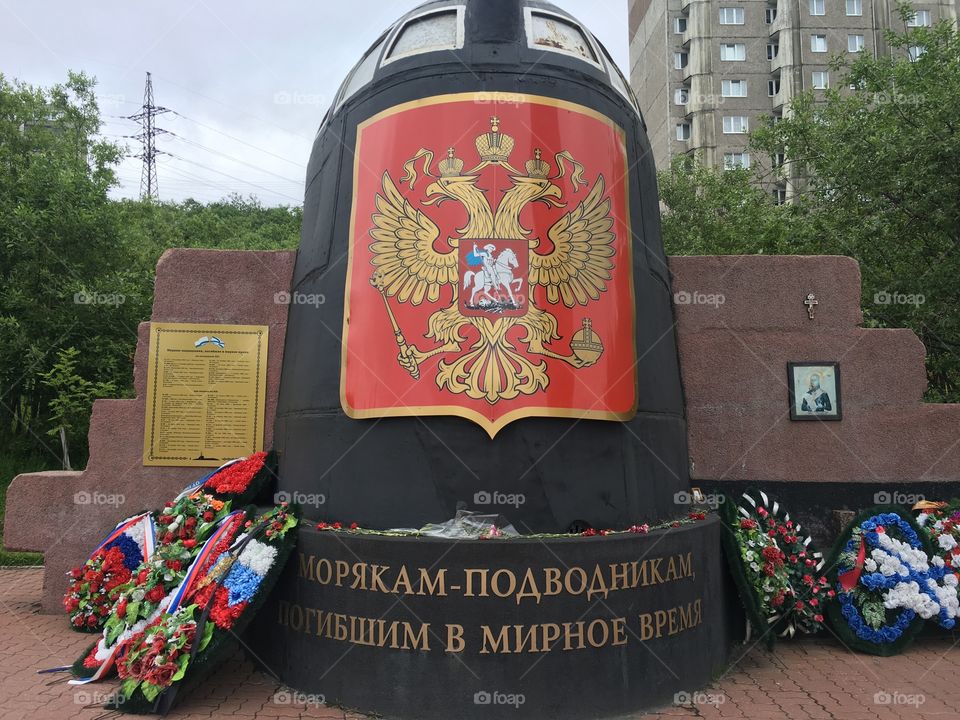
[[249, 81]]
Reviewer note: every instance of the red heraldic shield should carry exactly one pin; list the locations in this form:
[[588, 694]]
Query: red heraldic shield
[[489, 271]]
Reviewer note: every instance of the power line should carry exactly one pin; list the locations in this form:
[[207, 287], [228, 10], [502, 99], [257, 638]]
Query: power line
[[234, 159], [236, 139], [147, 136], [233, 177]]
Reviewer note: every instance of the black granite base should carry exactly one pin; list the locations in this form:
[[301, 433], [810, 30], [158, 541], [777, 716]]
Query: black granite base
[[532, 628]]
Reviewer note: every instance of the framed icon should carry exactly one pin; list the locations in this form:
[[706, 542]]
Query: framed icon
[[814, 390]]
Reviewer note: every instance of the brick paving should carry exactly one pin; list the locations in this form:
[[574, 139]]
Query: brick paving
[[800, 680]]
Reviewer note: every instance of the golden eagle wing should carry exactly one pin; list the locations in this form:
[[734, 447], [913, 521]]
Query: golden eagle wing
[[578, 268], [403, 249]]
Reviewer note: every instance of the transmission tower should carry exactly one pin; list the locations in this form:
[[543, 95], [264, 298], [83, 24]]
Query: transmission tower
[[148, 133]]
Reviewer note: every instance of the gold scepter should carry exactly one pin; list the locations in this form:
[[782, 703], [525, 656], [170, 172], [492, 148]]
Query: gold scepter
[[377, 281]]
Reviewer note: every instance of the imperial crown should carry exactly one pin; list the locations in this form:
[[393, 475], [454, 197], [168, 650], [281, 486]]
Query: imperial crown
[[451, 166], [494, 146], [537, 168]]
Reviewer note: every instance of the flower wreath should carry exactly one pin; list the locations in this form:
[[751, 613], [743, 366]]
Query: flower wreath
[[941, 524], [800, 609], [776, 572], [886, 584], [230, 580], [96, 584]]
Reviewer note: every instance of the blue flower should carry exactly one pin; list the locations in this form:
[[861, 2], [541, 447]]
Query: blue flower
[[242, 583]]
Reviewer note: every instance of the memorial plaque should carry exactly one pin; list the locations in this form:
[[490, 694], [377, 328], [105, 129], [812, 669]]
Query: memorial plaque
[[205, 393]]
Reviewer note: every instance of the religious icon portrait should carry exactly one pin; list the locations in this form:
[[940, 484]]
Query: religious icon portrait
[[814, 390]]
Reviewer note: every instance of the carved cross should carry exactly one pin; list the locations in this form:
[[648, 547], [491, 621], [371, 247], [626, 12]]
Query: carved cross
[[811, 302]]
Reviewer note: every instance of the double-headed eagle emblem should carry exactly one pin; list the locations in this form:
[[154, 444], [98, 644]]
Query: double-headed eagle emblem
[[482, 264]]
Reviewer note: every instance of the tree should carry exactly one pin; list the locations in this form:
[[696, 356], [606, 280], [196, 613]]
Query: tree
[[77, 269], [880, 182], [73, 397], [709, 212]]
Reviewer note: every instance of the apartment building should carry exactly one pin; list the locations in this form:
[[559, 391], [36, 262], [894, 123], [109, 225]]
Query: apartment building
[[706, 71]]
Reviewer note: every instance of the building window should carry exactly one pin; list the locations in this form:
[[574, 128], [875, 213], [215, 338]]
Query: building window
[[735, 125], [854, 43], [733, 88], [773, 87], [680, 25], [818, 43], [821, 80], [732, 161], [683, 131], [780, 195], [854, 8], [769, 15], [681, 96], [773, 49], [915, 52], [680, 60], [731, 16], [778, 159], [818, 7], [733, 51], [920, 18]]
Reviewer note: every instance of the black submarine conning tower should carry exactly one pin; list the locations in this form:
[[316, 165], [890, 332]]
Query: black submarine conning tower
[[406, 471]]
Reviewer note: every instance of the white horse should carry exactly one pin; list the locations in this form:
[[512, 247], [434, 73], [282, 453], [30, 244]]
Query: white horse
[[500, 275]]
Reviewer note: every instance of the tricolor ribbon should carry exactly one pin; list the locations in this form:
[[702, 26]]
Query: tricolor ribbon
[[149, 536], [209, 547]]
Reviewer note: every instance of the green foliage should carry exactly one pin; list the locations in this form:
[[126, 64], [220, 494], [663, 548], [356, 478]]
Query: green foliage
[[77, 269], [876, 171], [73, 396], [710, 212]]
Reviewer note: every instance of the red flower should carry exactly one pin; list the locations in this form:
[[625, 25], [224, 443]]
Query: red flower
[[353, 526], [208, 516], [321, 525], [814, 602], [337, 525], [748, 524], [818, 618], [155, 594], [189, 543], [235, 479], [799, 605]]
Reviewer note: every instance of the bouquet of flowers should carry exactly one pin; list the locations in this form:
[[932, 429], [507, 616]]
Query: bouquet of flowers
[[887, 584], [95, 585], [228, 582]]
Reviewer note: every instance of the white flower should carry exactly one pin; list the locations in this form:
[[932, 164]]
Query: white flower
[[937, 561], [755, 567], [258, 557], [870, 565], [947, 542], [922, 519]]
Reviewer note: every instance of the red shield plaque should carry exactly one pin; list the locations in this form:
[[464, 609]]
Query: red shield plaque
[[489, 272]]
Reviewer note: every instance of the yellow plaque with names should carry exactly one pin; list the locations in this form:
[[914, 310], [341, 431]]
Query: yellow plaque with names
[[206, 387]]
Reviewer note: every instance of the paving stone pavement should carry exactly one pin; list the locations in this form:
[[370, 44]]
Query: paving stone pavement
[[801, 679]]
